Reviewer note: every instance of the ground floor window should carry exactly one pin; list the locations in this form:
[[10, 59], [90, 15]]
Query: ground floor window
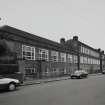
[[54, 69], [30, 71], [47, 70]]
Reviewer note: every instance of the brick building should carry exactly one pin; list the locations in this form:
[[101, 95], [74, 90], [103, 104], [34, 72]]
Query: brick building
[[90, 59], [37, 57]]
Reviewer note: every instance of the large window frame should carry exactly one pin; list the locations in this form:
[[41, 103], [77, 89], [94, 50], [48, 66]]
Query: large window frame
[[62, 57], [54, 56], [70, 58], [30, 71], [43, 54], [75, 59], [28, 52]]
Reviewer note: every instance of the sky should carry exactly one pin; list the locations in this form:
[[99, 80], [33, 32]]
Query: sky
[[55, 19]]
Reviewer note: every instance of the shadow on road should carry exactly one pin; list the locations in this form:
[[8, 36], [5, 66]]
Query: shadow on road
[[6, 91]]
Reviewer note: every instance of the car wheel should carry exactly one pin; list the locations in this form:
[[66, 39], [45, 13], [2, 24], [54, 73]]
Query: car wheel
[[72, 77], [11, 86], [79, 77]]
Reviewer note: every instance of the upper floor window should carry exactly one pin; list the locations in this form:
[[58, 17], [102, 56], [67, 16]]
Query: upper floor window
[[54, 56], [43, 54], [81, 49], [88, 51], [28, 52]]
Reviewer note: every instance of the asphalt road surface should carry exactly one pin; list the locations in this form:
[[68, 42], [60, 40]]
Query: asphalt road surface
[[90, 91]]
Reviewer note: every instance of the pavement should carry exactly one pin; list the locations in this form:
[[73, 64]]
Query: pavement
[[46, 80]]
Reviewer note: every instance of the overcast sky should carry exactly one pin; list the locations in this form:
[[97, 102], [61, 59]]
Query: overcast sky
[[54, 19]]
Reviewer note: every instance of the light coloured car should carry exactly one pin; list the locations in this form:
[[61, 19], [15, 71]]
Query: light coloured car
[[79, 74], [8, 83]]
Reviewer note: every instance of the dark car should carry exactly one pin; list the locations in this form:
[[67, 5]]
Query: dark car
[[103, 72], [79, 74], [8, 83]]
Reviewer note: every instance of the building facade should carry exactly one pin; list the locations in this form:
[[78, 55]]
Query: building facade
[[38, 57], [90, 59]]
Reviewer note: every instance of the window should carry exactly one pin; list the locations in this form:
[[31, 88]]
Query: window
[[93, 53], [85, 60], [43, 54], [87, 51], [62, 57], [81, 48], [65, 71], [99, 62], [28, 52], [75, 59], [88, 60], [54, 56], [30, 71], [103, 62], [70, 58], [54, 69], [47, 70], [102, 56], [81, 59], [91, 61]]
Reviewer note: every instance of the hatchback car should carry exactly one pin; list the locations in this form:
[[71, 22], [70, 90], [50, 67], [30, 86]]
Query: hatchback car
[[79, 74], [8, 83]]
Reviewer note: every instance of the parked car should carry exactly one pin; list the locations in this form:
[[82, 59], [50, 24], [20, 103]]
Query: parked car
[[103, 72], [8, 83], [79, 74]]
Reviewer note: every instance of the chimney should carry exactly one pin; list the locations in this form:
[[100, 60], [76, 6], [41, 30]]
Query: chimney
[[99, 50], [102, 52], [75, 38], [62, 41]]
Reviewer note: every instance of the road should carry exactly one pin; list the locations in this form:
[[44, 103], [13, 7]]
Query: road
[[90, 91]]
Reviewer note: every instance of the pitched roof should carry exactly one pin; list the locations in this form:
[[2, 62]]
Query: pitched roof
[[21, 33], [33, 37]]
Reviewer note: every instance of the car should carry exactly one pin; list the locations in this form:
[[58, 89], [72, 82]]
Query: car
[[103, 72], [8, 83], [79, 74]]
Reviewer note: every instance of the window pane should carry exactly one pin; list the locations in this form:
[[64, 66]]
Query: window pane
[[28, 52]]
